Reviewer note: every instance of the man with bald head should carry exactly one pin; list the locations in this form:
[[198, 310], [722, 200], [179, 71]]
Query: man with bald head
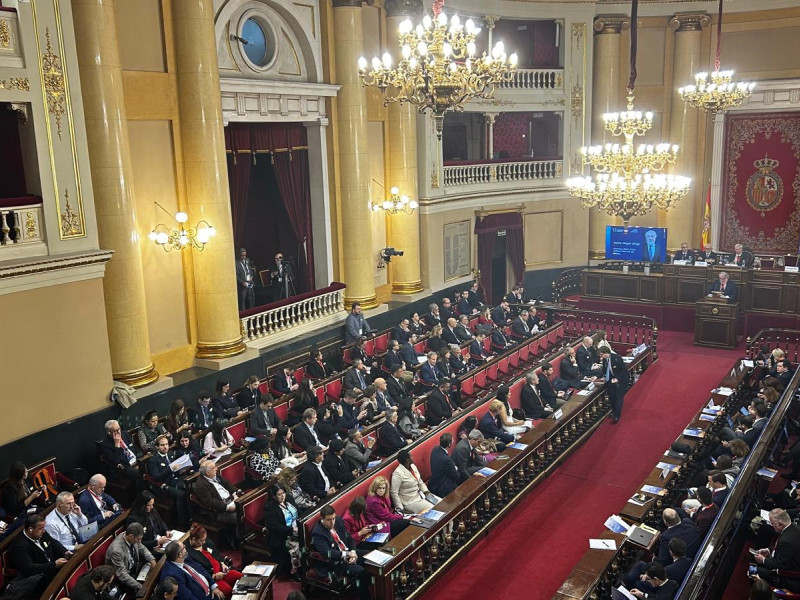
[[449, 331], [785, 556], [586, 357], [96, 504]]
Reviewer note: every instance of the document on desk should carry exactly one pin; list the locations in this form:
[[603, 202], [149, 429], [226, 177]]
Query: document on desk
[[378, 538], [748, 363], [722, 391], [487, 472], [376, 557], [694, 432], [617, 525], [584, 392], [654, 489], [517, 446], [263, 570], [767, 473], [621, 593], [709, 418], [668, 466], [597, 544]]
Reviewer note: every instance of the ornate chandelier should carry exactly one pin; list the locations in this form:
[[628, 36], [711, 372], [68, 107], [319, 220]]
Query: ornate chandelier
[[181, 237], [395, 204], [721, 93], [627, 181], [438, 69]]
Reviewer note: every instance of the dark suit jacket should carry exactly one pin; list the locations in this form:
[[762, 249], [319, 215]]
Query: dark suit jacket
[[391, 360], [322, 541], [351, 380], [474, 299], [208, 495], [336, 469], [680, 256], [390, 437], [196, 416], [248, 398], [311, 481], [466, 459], [279, 383], [731, 289], [444, 474], [225, 405], [665, 592], [116, 456], [747, 258], [500, 316], [585, 357], [677, 570], [437, 408], [431, 320], [512, 299], [84, 590], [200, 558], [303, 436], [618, 370], [27, 558], [703, 519], [408, 354], [158, 468], [463, 306], [520, 330], [476, 353], [276, 525], [188, 588], [396, 389], [449, 336], [358, 353], [318, 371], [570, 373], [260, 423], [428, 374], [89, 506], [787, 550], [686, 530], [399, 334], [490, 429], [656, 254], [499, 339], [531, 403], [547, 391]]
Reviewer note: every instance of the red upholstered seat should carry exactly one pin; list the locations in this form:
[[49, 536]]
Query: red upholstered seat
[[73, 579], [263, 387], [381, 343], [233, 472], [253, 510], [333, 390]]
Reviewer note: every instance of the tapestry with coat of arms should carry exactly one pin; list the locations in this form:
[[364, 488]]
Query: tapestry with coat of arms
[[761, 182]]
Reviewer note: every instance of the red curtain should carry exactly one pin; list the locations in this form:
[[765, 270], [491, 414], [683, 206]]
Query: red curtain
[[486, 229], [240, 162]]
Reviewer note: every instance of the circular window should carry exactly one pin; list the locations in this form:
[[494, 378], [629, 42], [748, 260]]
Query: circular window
[[255, 44]]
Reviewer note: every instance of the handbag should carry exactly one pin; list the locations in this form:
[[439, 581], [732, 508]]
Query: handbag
[[23, 588]]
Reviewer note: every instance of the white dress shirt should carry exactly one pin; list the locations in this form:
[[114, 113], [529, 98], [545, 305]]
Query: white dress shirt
[[56, 525]]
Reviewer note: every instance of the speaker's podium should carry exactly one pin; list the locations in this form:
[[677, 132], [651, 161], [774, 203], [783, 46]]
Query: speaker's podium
[[715, 319]]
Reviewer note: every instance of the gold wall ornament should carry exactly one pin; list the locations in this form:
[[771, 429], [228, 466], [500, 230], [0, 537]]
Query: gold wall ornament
[[5, 35], [21, 84], [70, 221], [54, 84], [30, 225], [577, 100]]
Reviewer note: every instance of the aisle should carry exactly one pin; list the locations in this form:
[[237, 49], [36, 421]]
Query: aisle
[[537, 545]]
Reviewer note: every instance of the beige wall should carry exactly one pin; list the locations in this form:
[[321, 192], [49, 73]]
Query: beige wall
[[56, 340], [141, 36]]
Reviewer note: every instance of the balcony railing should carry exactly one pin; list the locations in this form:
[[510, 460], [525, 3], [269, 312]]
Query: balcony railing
[[21, 227], [293, 316], [536, 79], [492, 172]]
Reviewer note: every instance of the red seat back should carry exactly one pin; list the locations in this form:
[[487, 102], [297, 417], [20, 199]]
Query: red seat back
[[263, 387], [97, 556], [237, 431], [334, 388], [282, 409], [299, 373], [381, 343], [233, 472], [73, 579], [468, 385], [524, 352], [253, 509]]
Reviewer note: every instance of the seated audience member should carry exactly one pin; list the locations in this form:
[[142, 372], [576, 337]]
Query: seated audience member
[[305, 434], [281, 447], [445, 476], [194, 583], [463, 305], [393, 359], [355, 522], [355, 378], [433, 318], [409, 419], [409, 355], [462, 330], [514, 297], [249, 395], [355, 325], [329, 423], [216, 497], [532, 404], [263, 421], [127, 555], [740, 257], [415, 324], [19, 496], [428, 373], [382, 397], [534, 322], [313, 479], [401, 332], [547, 391], [150, 430], [93, 585], [167, 589], [501, 314], [447, 310], [119, 454], [747, 432], [570, 373], [685, 253], [443, 364], [477, 352], [485, 318], [178, 418], [506, 416], [359, 351], [369, 403], [435, 341], [304, 397], [159, 468], [500, 341], [352, 415], [96, 504], [287, 479], [656, 578], [475, 296], [587, 359], [439, 407], [284, 381], [203, 414], [784, 372], [379, 510], [34, 552], [676, 569], [703, 515], [64, 521], [449, 331], [280, 521], [466, 457], [144, 512], [520, 327], [316, 367], [218, 442], [396, 387], [718, 484], [390, 435], [409, 492], [458, 362], [489, 424], [223, 402], [330, 538], [357, 451], [785, 556], [202, 551], [333, 464], [187, 445]]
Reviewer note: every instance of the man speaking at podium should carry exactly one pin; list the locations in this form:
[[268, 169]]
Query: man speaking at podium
[[725, 287]]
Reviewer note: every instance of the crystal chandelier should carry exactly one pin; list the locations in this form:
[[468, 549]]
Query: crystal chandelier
[[395, 204], [627, 181], [438, 69], [721, 93], [181, 237]]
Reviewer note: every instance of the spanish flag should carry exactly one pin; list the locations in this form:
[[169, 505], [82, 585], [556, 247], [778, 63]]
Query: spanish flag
[[705, 242]]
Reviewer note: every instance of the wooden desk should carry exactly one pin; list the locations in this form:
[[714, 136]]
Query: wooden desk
[[265, 593], [715, 323]]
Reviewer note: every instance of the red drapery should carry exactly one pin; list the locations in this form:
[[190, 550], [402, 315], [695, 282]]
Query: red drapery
[[284, 147], [486, 229]]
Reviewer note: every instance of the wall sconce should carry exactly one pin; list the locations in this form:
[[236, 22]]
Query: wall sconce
[[395, 204], [181, 237]]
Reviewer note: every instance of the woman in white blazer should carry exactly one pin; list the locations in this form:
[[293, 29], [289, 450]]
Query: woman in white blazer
[[408, 491]]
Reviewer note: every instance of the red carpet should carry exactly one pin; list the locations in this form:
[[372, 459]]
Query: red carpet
[[531, 554]]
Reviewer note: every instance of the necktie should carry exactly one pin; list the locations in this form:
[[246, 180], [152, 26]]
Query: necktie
[[722, 289], [130, 456], [70, 526], [608, 369], [361, 380], [738, 258], [652, 251], [338, 540], [201, 581]]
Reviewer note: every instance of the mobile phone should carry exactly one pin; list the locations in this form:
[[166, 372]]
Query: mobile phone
[[752, 570]]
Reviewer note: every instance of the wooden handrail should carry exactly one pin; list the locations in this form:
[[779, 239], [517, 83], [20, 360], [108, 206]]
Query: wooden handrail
[[787, 340]]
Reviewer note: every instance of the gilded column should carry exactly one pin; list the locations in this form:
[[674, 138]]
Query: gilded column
[[351, 106], [109, 153], [684, 125], [607, 98], [218, 330], [402, 133]]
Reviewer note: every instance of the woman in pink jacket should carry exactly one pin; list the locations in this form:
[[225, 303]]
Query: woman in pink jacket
[[379, 508]]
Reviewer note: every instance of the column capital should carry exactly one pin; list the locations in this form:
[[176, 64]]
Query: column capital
[[694, 21], [402, 8], [490, 20], [348, 3], [490, 117], [611, 24]]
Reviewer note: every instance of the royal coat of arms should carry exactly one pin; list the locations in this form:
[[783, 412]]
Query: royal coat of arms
[[765, 187]]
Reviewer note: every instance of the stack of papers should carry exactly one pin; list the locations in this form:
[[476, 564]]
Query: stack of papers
[[748, 363], [432, 514], [639, 499], [487, 472], [378, 538], [722, 391], [597, 544], [668, 466], [709, 418], [263, 570], [373, 463], [767, 473], [517, 446], [654, 489], [376, 557], [617, 525], [694, 432]]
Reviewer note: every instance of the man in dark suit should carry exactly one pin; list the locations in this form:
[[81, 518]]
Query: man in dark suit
[[685, 253], [444, 474], [490, 428], [446, 311], [203, 414], [330, 538], [400, 332], [438, 408], [316, 367], [263, 420], [96, 505], [216, 497], [475, 300], [514, 297], [746, 431], [396, 387], [570, 372], [500, 341], [119, 454], [718, 484], [282, 276], [34, 552], [531, 402], [390, 438], [586, 357], [741, 257], [462, 330], [333, 464], [449, 331], [428, 373], [313, 479], [465, 456], [284, 381], [704, 515], [245, 274], [783, 372], [708, 256], [433, 317], [463, 306], [677, 528], [193, 581], [159, 470], [393, 359], [352, 416], [725, 287], [651, 251], [547, 391], [249, 395], [501, 314], [785, 557], [520, 329], [477, 353], [93, 585], [304, 434], [615, 374], [680, 565], [656, 578], [355, 377]]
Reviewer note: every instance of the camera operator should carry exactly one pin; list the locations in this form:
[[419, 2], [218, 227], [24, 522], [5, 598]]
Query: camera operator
[[282, 279]]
